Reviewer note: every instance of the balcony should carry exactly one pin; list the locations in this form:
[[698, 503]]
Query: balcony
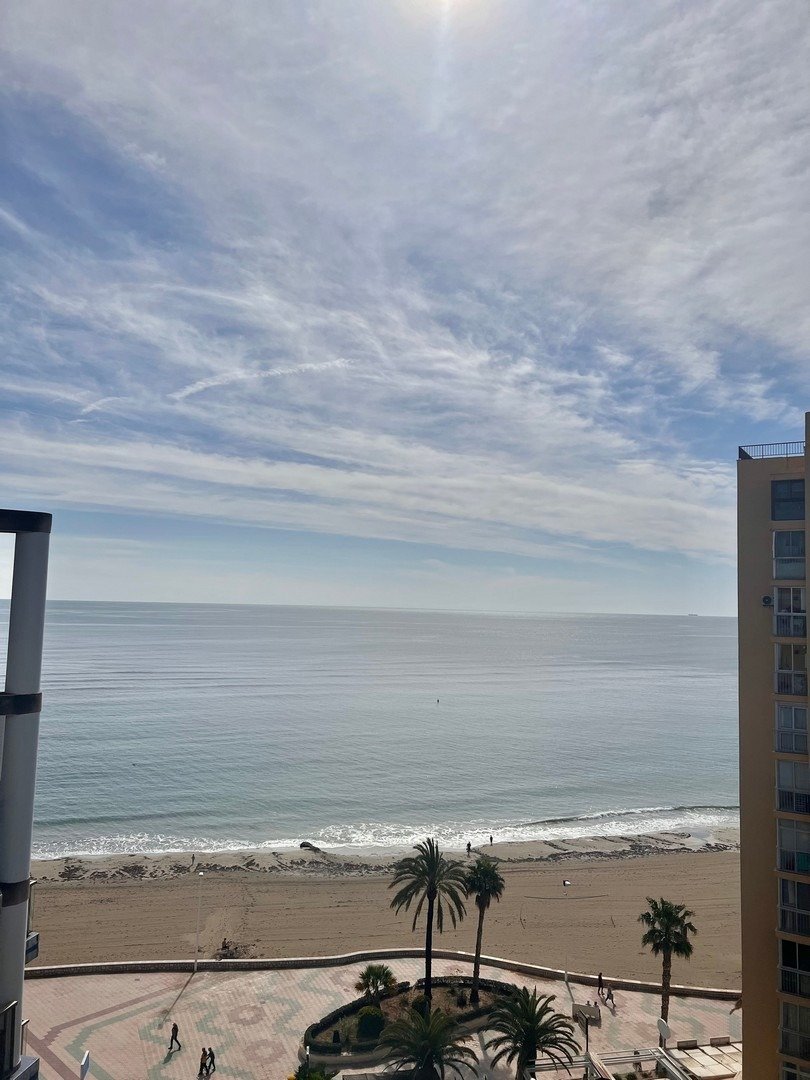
[[791, 683], [791, 742], [790, 625], [794, 982], [794, 922], [795, 1045], [793, 802], [789, 568], [771, 449]]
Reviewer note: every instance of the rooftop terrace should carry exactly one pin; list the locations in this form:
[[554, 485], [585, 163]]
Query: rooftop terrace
[[771, 449]]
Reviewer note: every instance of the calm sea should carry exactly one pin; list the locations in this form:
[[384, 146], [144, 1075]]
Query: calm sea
[[172, 727]]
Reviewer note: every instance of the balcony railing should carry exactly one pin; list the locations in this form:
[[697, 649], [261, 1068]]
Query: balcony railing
[[790, 625], [794, 922], [792, 683], [795, 862], [794, 982], [791, 742], [795, 1044], [31, 946], [789, 568], [772, 449], [794, 802]]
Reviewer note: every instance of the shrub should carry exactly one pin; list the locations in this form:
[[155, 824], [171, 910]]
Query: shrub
[[370, 1022], [375, 980], [336, 1036], [420, 1004], [461, 999]]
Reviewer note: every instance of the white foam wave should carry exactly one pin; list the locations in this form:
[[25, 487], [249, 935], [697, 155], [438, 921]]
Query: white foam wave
[[383, 837]]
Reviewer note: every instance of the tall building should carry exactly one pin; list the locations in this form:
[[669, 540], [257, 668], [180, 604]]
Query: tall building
[[774, 764], [20, 705]]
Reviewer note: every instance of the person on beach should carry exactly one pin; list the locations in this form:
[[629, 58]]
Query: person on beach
[[490, 839], [203, 1063], [469, 847], [174, 1039], [212, 1061], [600, 986]]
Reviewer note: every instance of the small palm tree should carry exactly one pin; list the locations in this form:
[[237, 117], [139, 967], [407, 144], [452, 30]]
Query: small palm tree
[[429, 1045], [429, 877], [485, 884], [667, 935], [375, 980], [529, 1027]]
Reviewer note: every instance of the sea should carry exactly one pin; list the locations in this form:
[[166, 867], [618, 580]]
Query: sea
[[199, 727]]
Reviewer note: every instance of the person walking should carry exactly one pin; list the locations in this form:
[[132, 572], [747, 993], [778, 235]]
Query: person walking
[[469, 846], [203, 1063], [174, 1039], [212, 1061], [490, 839], [600, 986], [609, 997]]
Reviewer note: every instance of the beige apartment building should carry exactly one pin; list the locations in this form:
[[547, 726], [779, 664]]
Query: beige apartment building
[[774, 763]]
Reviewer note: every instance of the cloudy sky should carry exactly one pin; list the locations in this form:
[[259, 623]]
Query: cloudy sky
[[444, 303]]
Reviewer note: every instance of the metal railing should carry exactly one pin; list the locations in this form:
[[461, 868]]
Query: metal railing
[[791, 742], [794, 922], [795, 1044], [794, 802], [795, 862], [789, 568], [771, 449], [792, 683], [794, 982], [785, 625]]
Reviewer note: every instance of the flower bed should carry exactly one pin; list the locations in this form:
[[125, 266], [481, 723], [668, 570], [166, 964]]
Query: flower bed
[[450, 994]]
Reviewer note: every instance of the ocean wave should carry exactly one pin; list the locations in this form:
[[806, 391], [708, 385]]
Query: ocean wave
[[395, 837]]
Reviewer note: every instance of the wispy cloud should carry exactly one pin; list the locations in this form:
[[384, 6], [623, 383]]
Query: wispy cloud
[[494, 277]]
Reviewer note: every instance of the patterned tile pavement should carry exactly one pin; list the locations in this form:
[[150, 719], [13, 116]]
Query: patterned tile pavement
[[254, 1020]]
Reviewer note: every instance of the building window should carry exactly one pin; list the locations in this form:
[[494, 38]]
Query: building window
[[794, 1072], [787, 500], [795, 1030], [791, 669], [793, 786], [791, 728], [790, 617], [794, 847], [794, 969], [788, 555], [794, 907]]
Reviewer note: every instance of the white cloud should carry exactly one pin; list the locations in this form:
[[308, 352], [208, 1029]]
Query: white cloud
[[524, 254]]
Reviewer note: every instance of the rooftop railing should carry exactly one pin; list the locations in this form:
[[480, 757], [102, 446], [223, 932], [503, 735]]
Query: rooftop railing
[[772, 449]]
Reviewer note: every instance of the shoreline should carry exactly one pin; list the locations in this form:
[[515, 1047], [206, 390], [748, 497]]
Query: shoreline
[[310, 860], [308, 903]]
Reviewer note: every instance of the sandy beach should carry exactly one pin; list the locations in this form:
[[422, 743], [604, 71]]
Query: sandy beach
[[298, 903]]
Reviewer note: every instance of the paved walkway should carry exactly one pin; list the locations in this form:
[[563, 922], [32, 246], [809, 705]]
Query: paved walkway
[[255, 1020]]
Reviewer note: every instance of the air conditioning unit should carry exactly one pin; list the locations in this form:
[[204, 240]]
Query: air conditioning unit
[[767, 601]]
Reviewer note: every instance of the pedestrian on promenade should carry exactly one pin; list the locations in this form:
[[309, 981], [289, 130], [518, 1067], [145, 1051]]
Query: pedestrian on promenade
[[609, 997], [212, 1061], [600, 986], [174, 1039], [203, 1063]]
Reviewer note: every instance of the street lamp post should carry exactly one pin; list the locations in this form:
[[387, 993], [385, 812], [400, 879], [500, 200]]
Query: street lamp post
[[197, 935]]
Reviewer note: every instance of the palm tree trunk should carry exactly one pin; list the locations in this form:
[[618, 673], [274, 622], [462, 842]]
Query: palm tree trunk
[[429, 954], [477, 964], [666, 979]]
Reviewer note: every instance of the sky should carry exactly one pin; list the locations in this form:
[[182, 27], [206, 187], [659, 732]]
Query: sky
[[427, 303]]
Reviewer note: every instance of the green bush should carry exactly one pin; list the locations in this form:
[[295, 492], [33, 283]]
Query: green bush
[[420, 1004], [370, 1022]]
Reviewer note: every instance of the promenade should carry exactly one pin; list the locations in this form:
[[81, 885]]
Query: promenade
[[254, 1020]]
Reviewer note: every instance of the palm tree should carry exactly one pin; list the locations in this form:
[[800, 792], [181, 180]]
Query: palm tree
[[428, 1044], [667, 935], [485, 884], [429, 876], [529, 1027], [375, 980]]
